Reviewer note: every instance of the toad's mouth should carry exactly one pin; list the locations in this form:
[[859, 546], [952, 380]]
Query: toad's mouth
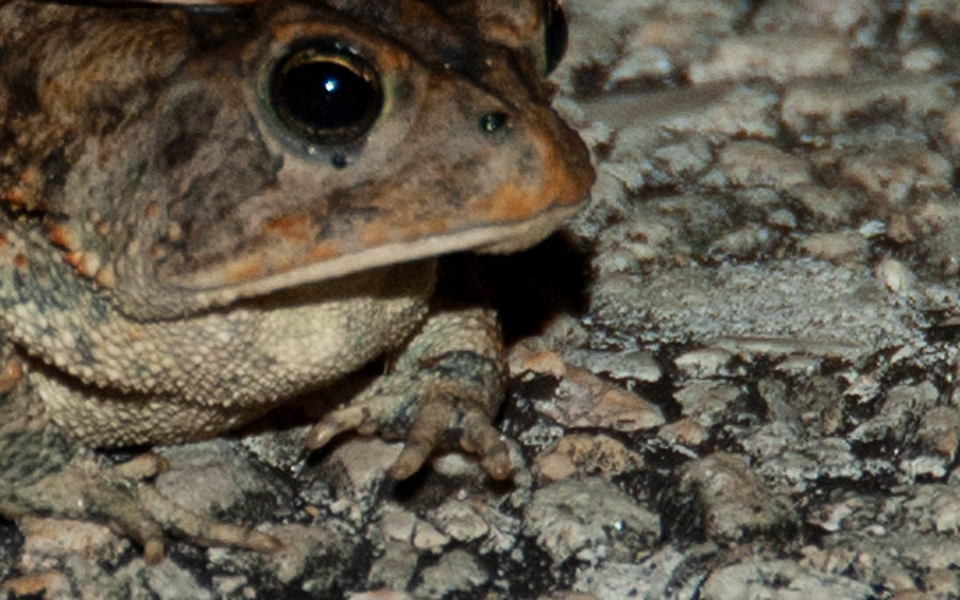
[[248, 277], [405, 280]]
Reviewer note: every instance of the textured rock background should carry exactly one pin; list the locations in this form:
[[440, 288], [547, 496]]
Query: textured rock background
[[756, 397]]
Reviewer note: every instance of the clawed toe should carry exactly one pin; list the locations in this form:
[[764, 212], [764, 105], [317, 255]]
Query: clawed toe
[[484, 440], [340, 421], [444, 390], [437, 423]]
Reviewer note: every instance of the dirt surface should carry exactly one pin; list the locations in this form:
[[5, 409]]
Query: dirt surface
[[750, 390]]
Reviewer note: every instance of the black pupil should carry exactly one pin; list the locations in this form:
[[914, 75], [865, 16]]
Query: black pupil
[[328, 99]]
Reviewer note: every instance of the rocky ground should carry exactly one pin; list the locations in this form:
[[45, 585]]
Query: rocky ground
[[744, 383]]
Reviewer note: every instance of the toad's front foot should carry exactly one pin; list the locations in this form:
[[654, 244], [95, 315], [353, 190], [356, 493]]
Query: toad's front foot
[[443, 390], [40, 475]]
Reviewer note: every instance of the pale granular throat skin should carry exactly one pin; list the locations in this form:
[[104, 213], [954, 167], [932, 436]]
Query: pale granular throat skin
[[165, 382], [184, 247]]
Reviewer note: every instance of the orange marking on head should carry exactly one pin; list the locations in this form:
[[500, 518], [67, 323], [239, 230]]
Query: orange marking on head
[[21, 260], [286, 33], [568, 181], [392, 60], [245, 270], [324, 250], [376, 234], [511, 203], [562, 184], [290, 228], [429, 226], [15, 197], [31, 175]]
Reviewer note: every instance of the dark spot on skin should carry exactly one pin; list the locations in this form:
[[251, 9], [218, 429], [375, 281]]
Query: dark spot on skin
[[106, 118], [23, 92], [154, 87], [18, 281], [403, 92], [212, 229], [9, 302], [180, 150], [457, 191], [190, 124], [101, 309], [459, 56], [56, 167], [215, 28], [347, 205], [37, 282], [83, 347], [31, 457], [339, 161]]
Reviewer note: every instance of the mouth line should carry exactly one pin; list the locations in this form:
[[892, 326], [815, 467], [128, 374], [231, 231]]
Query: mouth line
[[346, 270]]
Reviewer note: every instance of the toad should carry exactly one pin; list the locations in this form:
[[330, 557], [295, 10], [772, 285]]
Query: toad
[[209, 212]]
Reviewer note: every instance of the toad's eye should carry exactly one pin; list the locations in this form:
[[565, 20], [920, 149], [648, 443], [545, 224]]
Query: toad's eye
[[555, 35], [325, 95]]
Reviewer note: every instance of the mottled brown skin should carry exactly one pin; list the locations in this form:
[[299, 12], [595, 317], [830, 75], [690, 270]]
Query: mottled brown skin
[[175, 261]]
